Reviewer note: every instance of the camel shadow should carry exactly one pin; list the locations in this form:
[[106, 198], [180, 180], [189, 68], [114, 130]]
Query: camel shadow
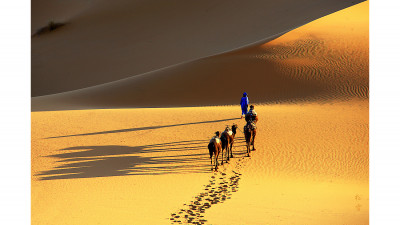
[[118, 160]]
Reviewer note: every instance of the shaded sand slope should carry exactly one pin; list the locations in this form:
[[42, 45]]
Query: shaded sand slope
[[104, 41], [107, 166], [313, 62], [44, 11]]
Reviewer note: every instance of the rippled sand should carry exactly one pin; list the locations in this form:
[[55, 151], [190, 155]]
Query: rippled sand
[[104, 41], [151, 165], [142, 165]]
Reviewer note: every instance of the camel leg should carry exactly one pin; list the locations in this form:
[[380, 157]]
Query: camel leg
[[248, 139], [211, 151], [227, 152], [247, 145], [231, 150], [216, 161], [211, 163], [254, 137], [222, 156]]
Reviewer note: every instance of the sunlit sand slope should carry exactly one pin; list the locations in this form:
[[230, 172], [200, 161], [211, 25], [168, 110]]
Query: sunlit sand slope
[[104, 41], [142, 165], [326, 59]]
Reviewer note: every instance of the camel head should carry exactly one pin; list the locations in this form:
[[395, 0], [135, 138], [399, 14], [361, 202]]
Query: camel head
[[234, 127]]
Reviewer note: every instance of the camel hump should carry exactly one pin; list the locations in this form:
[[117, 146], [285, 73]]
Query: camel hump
[[216, 139]]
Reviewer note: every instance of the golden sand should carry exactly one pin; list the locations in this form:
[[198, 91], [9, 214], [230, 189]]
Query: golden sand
[[145, 165], [140, 165]]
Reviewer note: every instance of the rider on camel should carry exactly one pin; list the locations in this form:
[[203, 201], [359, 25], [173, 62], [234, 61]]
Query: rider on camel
[[251, 116]]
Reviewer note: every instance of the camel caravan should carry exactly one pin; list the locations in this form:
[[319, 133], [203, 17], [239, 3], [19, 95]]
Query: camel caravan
[[223, 142]]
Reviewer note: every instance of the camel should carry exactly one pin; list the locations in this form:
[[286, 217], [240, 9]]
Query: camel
[[249, 134], [215, 148], [227, 139], [250, 129]]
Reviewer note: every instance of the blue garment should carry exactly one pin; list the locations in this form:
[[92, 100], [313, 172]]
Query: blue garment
[[244, 111], [244, 102]]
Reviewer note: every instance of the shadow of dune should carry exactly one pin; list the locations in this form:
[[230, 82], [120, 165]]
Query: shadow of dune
[[117, 160], [144, 128]]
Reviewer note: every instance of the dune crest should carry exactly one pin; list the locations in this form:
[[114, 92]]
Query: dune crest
[[107, 41], [306, 64]]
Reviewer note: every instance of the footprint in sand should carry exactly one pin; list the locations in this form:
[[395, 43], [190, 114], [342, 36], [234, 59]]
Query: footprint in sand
[[217, 191]]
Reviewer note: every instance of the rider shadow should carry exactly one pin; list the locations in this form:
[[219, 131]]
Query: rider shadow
[[144, 128], [117, 160]]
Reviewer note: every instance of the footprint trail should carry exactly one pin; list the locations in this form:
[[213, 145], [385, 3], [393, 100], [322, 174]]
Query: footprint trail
[[220, 188]]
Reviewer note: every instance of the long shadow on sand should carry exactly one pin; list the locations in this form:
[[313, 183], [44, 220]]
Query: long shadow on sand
[[144, 128], [118, 160]]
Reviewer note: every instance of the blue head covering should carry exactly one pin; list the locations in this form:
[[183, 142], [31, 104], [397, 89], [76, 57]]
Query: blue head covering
[[244, 94]]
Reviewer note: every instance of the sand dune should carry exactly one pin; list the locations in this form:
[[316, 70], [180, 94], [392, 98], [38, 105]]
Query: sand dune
[[44, 11], [119, 164], [105, 41], [107, 166], [311, 63]]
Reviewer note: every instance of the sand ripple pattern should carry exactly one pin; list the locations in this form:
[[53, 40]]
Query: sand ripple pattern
[[341, 67], [303, 65], [317, 149]]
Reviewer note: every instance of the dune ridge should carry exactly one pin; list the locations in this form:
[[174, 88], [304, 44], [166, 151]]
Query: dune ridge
[[303, 65], [310, 63], [105, 41]]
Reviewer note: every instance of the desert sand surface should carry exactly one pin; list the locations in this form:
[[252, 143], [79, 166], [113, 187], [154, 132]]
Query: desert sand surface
[[127, 152], [139, 166], [104, 41]]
